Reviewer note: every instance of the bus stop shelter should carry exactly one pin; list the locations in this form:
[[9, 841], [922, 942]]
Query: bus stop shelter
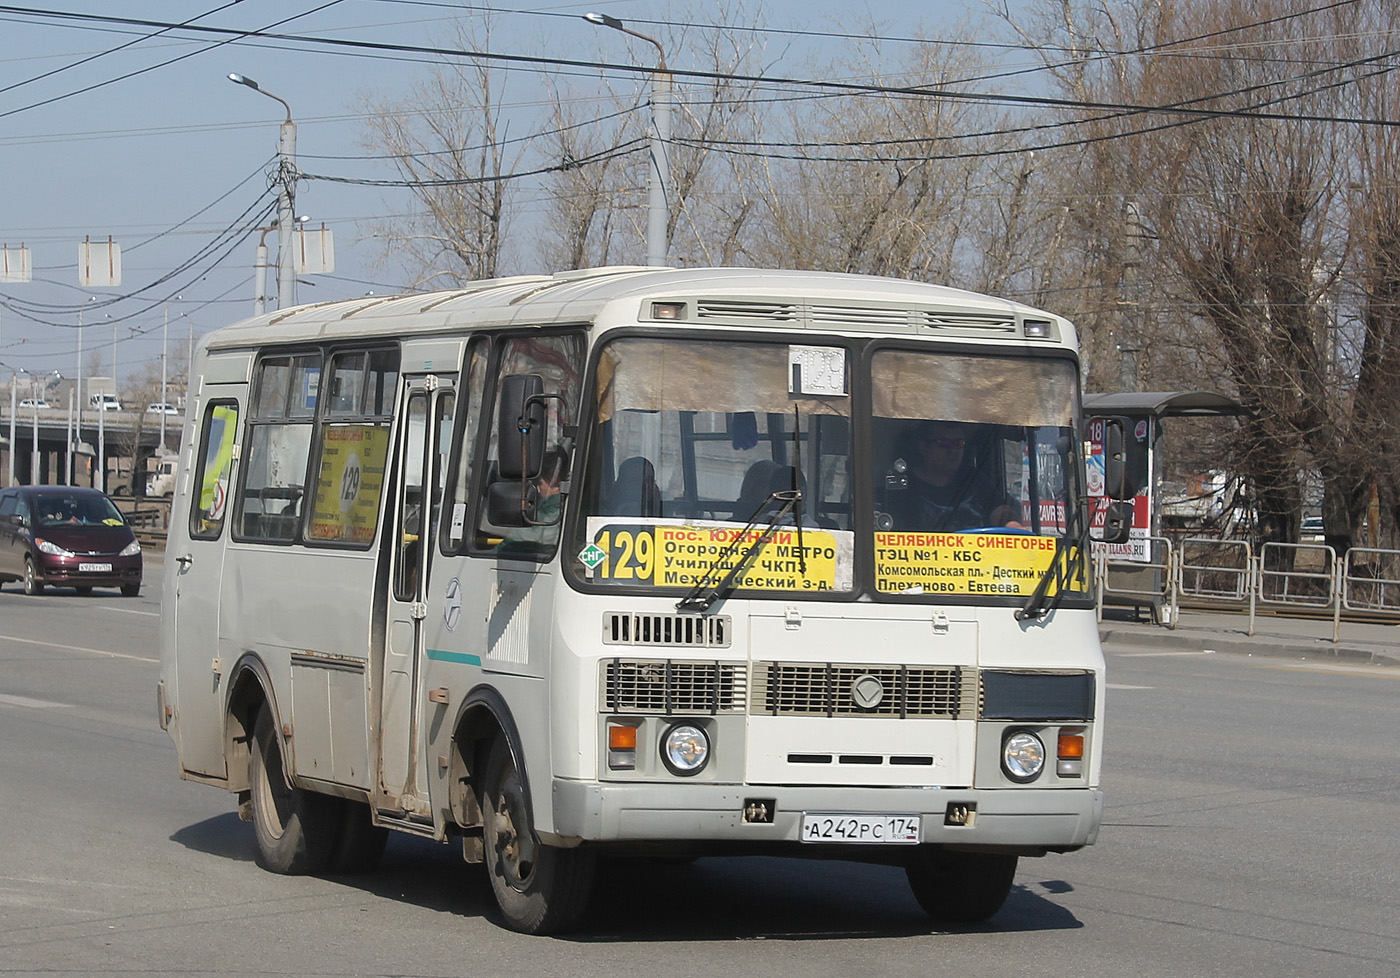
[[1145, 412]]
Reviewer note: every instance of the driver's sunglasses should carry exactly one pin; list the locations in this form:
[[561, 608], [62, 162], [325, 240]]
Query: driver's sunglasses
[[950, 444]]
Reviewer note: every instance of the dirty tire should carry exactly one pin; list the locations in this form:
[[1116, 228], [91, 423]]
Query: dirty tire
[[32, 584], [540, 889], [296, 829], [360, 842], [960, 887], [130, 590]]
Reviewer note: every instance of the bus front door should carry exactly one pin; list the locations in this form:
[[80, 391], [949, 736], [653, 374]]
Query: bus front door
[[425, 435]]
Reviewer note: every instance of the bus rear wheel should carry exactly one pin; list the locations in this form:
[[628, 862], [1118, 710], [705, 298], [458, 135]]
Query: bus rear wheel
[[540, 889], [296, 829], [960, 887]]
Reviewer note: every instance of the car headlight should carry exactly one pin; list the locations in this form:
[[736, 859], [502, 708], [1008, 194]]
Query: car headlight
[[1022, 756], [685, 749], [50, 548], [131, 549]]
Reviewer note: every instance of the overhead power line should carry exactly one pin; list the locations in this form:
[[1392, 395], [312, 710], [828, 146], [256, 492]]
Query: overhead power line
[[923, 91]]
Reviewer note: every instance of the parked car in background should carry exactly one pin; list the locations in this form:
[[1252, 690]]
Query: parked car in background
[[29, 403], [66, 536], [105, 402], [160, 407]]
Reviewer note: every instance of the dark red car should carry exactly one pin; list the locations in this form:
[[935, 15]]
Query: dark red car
[[66, 536]]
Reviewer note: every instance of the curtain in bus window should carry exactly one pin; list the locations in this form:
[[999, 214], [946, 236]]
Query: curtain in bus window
[[694, 376], [992, 390]]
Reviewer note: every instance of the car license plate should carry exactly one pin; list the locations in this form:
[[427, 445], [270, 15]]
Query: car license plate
[[852, 827], [95, 568]]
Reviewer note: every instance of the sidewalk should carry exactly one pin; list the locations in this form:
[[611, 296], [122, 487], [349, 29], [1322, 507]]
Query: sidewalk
[[1221, 631]]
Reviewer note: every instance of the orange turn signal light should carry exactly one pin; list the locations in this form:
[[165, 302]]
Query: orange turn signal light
[[1071, 745], [622, 738]]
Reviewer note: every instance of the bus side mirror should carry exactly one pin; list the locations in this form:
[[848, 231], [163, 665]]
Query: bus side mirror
[[506, 504], [1117, 522], [520, 427], [1120, 459]]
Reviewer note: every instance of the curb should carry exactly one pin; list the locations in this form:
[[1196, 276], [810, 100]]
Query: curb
[[1270, 645]]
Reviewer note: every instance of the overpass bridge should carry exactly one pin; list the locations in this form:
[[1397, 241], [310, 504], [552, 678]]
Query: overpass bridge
[[120, 434]]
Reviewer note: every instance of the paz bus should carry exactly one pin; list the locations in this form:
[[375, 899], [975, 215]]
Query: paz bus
[[614, 563]]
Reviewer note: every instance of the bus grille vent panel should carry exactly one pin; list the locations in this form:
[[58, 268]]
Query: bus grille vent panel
[[843, 689], [970, 324], [857, 316], [771, 312], [663, 687], [676, 631]]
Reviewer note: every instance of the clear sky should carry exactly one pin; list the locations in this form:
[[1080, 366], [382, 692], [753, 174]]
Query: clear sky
[[122, 130]]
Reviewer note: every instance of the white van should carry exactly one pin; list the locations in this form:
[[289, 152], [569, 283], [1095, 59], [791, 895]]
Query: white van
[[162, 479], [105, 402]]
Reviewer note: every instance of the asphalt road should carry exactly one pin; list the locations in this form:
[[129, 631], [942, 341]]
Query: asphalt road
[[1251, 829]]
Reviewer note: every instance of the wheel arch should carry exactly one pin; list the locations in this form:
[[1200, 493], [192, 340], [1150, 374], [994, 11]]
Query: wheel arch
[[250, 689], [482, 719]]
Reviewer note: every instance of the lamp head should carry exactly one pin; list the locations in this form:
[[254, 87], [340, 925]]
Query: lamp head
[[238, 79], [603, 20]]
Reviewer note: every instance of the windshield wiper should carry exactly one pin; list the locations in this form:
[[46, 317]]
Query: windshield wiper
[[1041, 602], [700, 599]]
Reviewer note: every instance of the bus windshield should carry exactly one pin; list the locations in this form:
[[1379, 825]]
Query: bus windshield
[[700, 447]]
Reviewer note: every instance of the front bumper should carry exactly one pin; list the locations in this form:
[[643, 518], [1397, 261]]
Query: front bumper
[[66, 572], [1015, 818]]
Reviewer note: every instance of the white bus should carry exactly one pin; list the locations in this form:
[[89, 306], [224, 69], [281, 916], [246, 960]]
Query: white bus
[[628, 562]]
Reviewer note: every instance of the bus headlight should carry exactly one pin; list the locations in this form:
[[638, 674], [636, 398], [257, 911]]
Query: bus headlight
[[1022, 756], [685, 749]]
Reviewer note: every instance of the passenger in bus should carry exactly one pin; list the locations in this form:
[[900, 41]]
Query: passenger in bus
[[755, 490], [634, 492], [785, 479], [945, 491]]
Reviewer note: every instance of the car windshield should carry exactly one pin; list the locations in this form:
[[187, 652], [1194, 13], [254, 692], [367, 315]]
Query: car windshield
[[67, 509]]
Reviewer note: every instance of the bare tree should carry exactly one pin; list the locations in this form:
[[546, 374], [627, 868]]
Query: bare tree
[[448, 143]]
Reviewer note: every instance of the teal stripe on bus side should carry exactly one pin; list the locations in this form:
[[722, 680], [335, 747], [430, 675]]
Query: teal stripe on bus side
[[462, 657]]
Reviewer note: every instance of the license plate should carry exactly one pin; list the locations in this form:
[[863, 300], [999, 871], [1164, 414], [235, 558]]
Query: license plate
[[95, 568], [851, 827]]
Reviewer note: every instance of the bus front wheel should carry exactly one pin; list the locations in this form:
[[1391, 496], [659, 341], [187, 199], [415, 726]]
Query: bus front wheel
[[296, 829], [960, 887], [540, 889]]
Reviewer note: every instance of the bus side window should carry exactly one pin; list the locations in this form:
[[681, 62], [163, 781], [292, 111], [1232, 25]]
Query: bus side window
[[278, 448], [211, 482], [458, 485], [558, 361]]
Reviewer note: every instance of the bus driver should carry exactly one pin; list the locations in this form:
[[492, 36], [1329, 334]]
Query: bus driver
[[943, 494]]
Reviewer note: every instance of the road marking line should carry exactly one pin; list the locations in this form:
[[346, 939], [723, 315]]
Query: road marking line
[[78, 648], [8, 700], [1159, 655], [130, 611]]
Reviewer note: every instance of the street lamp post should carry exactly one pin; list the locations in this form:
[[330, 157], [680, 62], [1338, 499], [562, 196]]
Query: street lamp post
[[286, 203], [658, 216], [164, 345]]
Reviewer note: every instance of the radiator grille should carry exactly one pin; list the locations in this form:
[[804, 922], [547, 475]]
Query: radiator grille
[[687, 631], [664, 686], [836, 689]]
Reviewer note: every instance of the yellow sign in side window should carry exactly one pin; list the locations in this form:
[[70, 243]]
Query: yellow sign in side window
[[965, 563], [350, 483], [684, 555]]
